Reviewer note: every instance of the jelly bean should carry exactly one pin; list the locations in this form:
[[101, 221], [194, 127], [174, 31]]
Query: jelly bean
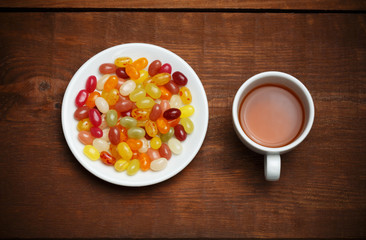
[[155, 142], [128, 122], [179, 78], [111, 97], [165, 94], [111, 83], [165, 105], [143, 76], [155, 112], [105, 136], [133, 167], [107, 68], [153, 154], [163, 125], [91, 84], [141, 123], [132, 72], [151, 128], [123, 105], [187, 124], [145, 102], [85, 137], [107, 158], [90, 102], [127, 87], [172, 113], [175, 146], [185, 95], [84, 125], [94, 117], [120, 82], [137, 94], [96, 132], [145, 145], [172, 87], [140, 114], [153, 90], [180, 133], [124, 151], [165, 152], [166, 68], [187, 111], [121, 62], [144, 161], [121, 165], [140, 63], [135, 144], [174, 122], [136, 132], [102, 105], [165, 137], [123, 134], [113, 151], [81, 98], [176, 101], [100, 144], [161, 79], [112, 118], [81, 113], [101, 82], [104, 123], [114, 135], [91, 152], [158, 164], [154, 67]]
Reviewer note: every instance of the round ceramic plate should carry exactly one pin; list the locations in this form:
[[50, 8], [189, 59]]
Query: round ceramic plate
[[190, 146]]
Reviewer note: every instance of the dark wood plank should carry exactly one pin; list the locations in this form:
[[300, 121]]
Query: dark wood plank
[[192, 4], [45, 192]]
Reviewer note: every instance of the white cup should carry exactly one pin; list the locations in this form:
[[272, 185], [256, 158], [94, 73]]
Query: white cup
[[272, 159]]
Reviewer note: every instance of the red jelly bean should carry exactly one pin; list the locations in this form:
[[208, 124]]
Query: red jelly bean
[[166, 68], [121, 73], [179, 78], [180, 133], [81, 113], [107, 68], [96, 132], [164, 151], [81, 98], [155, 112], [172, 87], [94, 117], [172, 113], [91, 84], [114, 135], [123, 105], [154, 68]]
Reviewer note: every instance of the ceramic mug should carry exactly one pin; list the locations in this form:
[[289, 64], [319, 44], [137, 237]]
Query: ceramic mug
[[272, 159]]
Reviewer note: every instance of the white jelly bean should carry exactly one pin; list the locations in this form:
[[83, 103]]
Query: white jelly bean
[[176, 101], [100, 144], [175, 146], [158, 164], [102, 105], [127, 87], [105, 135], [101, 81]]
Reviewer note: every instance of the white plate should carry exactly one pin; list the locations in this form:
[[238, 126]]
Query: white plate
[[190, 146]]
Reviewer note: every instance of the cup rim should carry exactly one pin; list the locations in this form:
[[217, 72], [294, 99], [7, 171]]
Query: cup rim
[[257, 146]]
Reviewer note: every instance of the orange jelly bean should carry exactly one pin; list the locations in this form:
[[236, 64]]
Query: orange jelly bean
[[165, 93], [163, 125], [134, 144], [111, 83], [144, 161], [90, 102], [132, 72]]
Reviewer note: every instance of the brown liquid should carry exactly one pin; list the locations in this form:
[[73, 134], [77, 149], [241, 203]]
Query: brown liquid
[[271, 116]]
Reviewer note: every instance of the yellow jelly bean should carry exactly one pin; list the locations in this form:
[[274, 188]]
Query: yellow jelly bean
[[122, 61], [91, 152], [143, 76], [84, 125], [124, 151], [155, 142], [186, 111], [185, 95], [121, 165]]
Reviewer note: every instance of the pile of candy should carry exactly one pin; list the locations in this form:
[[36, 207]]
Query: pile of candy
[[134, 119]]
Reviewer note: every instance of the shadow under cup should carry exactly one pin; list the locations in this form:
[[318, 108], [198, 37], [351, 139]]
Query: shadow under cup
[[287, 82]]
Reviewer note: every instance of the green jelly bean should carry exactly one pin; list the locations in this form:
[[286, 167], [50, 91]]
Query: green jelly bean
[[128, 122], [136, 132], [165, 137], [112, 118]]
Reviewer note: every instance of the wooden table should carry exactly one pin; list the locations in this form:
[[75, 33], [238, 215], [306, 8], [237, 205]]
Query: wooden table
[[46, 193]]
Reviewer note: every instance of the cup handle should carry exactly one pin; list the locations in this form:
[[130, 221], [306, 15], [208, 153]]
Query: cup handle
[[272, 167]]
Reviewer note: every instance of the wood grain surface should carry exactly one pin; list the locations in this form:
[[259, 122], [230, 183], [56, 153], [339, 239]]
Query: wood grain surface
[[46, 193], [350, 5]]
